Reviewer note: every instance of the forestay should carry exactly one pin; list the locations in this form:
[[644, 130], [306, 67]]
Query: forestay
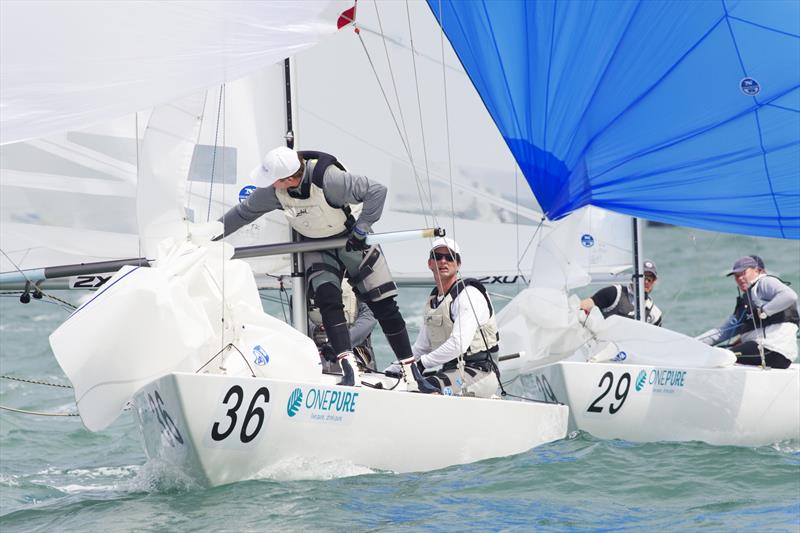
[[681, 112]]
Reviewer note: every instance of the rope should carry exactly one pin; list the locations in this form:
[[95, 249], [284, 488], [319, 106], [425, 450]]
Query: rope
[[419, 111], [214, 153], [420, 191], [37, 413], [519, 261], [230, 345], [35, 382]]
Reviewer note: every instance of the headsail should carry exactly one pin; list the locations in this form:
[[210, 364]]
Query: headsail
[[681, 112]]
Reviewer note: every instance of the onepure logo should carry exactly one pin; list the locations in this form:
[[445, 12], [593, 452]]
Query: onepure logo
[[295, 401], [322, 405], [262, 357], [587, 240], [641, 380]]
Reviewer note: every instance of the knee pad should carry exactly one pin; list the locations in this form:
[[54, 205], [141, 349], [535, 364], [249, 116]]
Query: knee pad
[[327, 297]]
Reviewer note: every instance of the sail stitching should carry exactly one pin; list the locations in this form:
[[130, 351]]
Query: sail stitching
[[758, 127]]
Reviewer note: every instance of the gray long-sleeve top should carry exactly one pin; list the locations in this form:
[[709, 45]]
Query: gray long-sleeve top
[[362, 326], [339, 187], [769, 293]]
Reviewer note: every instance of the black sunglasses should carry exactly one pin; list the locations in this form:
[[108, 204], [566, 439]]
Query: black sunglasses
[[435, 256]]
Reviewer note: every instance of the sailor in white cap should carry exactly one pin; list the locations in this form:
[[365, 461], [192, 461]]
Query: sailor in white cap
[[765, 316], [459, 332], [620, 299], [321, 200]]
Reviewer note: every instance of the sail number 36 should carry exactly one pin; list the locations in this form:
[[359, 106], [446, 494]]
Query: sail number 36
[[620, 393], [233, 399]]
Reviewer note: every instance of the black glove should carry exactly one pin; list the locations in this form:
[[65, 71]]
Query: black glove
[[357, 241]]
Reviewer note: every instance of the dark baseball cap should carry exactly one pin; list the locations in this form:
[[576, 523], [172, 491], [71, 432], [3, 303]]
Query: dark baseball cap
[[743, 263]]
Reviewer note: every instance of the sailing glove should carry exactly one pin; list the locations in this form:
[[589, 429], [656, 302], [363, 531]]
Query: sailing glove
[[357, 241]]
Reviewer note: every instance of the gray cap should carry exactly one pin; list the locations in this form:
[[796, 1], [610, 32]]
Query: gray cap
[[743, 263], [650, 266]]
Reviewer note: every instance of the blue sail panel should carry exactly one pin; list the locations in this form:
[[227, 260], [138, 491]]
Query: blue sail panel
[[675, 111]]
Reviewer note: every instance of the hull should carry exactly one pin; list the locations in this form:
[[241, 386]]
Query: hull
[[221, 429], [739, 406]]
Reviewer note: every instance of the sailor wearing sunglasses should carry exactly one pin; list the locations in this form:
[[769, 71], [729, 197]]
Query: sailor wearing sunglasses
[[459, 331]]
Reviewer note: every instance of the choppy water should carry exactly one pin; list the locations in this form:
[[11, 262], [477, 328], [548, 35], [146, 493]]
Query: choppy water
[[55, 475]]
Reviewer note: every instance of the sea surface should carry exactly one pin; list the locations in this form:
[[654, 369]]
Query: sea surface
[[57, 476]]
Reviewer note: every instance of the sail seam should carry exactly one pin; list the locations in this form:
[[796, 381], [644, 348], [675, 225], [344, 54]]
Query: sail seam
[[775, 30], [650, 89], [685, 137], [600, 81], [758, 123]]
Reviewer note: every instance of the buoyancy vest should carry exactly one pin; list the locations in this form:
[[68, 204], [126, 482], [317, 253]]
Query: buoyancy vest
[[623, 305], [306, 207], [744, 314], [439, 320]]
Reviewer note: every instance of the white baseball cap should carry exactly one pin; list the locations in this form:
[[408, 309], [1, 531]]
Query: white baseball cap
[[279, 163], [447, 243]]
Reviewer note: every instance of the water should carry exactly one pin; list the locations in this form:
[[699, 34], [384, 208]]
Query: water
[[55, 475]]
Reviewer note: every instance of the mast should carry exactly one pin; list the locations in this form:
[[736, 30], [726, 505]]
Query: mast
[[638, 276], [299, 307]]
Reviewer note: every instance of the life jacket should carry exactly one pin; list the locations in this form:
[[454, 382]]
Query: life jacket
[[306, 208], [744, 314], [439, 322], [624, 305]]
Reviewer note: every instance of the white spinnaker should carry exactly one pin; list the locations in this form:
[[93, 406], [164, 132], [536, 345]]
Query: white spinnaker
[[71, 197], [591, 244], [69, 64], [167, 150]]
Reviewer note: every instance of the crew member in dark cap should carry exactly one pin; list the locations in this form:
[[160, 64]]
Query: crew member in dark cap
[[765, 316], [620, 299]]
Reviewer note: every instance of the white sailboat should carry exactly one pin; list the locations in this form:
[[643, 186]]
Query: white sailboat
[[626, 379], [221, 389]]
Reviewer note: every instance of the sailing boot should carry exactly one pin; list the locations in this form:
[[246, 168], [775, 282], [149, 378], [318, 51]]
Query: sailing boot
[[414, 380], [351, 376]]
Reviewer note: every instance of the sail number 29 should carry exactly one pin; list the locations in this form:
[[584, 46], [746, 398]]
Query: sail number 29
[[620, 393], [233, 400]]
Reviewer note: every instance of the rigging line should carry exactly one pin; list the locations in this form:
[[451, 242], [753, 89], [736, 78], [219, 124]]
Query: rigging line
[[397, 127], [460, 365], [15, 265], [516, 212], [533, 237], [38, 413], [447, 122], [419, 110], [402, 117], [214, 153], [69, 305], [136, 127], [36, 382], [224, 182]]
